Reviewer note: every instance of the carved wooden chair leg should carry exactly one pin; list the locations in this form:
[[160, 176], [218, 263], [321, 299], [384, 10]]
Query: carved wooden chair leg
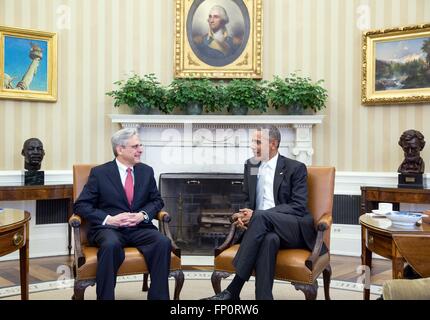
[[310, 290], [326, 280], [216, 278], [145, 282], [74, 271], [79, 288], [179, 282]]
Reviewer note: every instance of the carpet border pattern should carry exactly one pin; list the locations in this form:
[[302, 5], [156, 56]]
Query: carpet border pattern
[[189, 275]]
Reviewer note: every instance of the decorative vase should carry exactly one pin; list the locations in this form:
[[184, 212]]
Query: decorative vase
[[295, 109], [239, 110], [308, 112], [194, 108], [142, 109]]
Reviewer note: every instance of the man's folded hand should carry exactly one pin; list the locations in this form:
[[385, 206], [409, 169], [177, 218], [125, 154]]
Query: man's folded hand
[[241, 219], [135, 218], [240, 225], [235, 216], [119, 220]]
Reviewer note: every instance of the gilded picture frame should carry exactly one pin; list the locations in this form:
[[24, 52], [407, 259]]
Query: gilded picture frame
[[28, 64], [218, 39], [396, 65]]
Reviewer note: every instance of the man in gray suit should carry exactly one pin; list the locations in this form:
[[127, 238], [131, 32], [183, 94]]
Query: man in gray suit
[[276, 215]]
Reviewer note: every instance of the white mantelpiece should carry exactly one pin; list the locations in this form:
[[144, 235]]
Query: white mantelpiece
[[127, 120], [227, 136], [296, 130]]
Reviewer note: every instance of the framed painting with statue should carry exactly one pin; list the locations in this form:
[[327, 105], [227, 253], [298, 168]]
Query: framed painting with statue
[[218, 38], [28, 64], [396, 65]]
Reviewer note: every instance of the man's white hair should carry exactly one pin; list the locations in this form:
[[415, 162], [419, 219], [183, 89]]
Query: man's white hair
[[120, 138], [221, 11]]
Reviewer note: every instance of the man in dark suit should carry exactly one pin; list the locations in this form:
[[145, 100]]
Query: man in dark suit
[[119, 201], [276, 215]]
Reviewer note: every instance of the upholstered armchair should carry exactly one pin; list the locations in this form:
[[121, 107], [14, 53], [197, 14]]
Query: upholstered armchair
[[85, 256], [405, 289], [299, 266]]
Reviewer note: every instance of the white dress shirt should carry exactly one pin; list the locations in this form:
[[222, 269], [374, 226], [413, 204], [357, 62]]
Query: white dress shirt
[[266, 176]]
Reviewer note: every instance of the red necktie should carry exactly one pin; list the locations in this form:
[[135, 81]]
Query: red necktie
[[129, 189]]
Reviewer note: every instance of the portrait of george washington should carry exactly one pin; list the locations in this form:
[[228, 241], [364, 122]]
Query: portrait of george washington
[[218, 30]]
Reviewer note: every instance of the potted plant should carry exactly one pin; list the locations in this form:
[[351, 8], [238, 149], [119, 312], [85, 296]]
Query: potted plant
[[244, 94], [141, 94], [298, 94], [193, 95]]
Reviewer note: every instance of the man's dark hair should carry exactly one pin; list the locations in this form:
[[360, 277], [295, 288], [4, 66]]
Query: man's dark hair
[[273, 131]]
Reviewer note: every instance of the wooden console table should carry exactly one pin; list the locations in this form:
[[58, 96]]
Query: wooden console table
[[14, 235], [378, 236], [371, 196], [42, 192]]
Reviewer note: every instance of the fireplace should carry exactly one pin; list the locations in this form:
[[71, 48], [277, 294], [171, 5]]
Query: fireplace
[[200, 205]]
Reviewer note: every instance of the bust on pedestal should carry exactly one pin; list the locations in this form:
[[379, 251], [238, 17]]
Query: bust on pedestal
[[412, 168], [33, 153]]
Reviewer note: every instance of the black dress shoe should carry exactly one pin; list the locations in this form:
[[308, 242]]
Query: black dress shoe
[[223, 295]]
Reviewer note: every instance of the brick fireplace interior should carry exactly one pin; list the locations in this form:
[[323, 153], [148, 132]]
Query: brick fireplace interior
[[200, 205]]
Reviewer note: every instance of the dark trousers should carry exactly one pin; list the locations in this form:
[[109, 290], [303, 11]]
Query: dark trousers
[[267, 233], [154, 246]]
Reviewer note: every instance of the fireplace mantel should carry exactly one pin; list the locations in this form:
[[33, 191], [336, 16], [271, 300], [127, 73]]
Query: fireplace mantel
[[199, 132], [132, 120]]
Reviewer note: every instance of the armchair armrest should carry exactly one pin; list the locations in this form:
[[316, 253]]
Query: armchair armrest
[[324, 222], [322, 225], [228, 242], [164, 218], [75, 222]]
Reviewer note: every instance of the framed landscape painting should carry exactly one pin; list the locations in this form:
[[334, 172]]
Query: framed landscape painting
[[218, 38], [28, 64], [396, 65]]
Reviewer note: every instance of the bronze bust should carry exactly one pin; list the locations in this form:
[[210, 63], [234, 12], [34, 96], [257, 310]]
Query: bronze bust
[[33, 153], [412, 142]]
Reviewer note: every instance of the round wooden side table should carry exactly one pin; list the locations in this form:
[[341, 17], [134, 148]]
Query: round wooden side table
[[14, 227]]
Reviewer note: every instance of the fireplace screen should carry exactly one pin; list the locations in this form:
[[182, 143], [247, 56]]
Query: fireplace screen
[[200, 205]]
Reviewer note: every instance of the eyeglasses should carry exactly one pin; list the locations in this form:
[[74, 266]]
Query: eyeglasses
[[135, 147]]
